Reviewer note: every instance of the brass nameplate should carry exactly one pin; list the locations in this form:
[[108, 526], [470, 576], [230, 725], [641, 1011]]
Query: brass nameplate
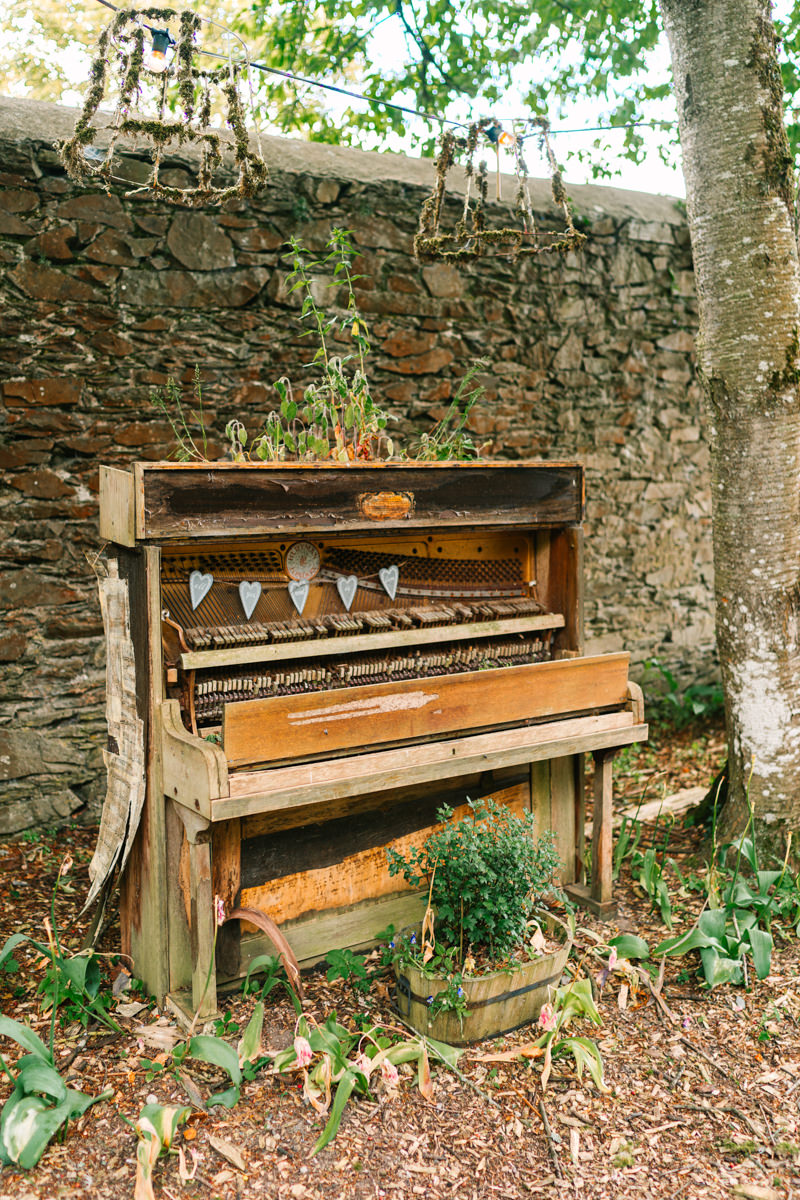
[[385, 506]]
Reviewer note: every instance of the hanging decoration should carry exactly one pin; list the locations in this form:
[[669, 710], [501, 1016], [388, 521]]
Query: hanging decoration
[[153, 70], [471, 238]]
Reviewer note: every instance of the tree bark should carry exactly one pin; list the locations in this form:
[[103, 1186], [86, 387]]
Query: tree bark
[[740, 201]]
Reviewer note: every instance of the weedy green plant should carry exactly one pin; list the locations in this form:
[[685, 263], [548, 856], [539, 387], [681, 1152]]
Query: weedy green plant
[[155, 1128], [626, 844], [168, 402], [336, 418], [344, 964], [71, 985], [572, 1001], [264, 974], [679, 707], [40, 1104], [746, 901]]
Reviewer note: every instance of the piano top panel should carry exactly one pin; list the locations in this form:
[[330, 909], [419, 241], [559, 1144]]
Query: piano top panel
[[166, 502]]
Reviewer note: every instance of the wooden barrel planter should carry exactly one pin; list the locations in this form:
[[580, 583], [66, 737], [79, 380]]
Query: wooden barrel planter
[[497, 1003]]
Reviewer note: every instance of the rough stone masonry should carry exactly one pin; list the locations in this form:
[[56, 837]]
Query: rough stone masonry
[[102, 298]]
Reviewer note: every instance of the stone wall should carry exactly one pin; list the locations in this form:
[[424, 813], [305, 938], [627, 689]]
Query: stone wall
[[103, 297]]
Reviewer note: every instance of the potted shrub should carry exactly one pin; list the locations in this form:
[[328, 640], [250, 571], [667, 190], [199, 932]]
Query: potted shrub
[[489, 954]]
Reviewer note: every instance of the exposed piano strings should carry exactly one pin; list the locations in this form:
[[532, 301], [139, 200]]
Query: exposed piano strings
[[214, 689]]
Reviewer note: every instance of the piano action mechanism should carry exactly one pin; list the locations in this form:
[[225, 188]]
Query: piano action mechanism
[[324, 654]]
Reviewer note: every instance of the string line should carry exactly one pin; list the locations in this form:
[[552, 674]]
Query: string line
[[413, 112]]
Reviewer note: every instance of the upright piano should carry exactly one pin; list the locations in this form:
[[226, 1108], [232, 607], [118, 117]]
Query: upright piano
[[323, 655]]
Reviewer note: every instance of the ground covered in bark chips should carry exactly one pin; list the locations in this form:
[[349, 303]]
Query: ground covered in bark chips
[[704, 1086]]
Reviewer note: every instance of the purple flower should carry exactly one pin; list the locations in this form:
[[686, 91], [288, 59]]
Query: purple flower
[[429, 1001], [413, 939], [460, 992]]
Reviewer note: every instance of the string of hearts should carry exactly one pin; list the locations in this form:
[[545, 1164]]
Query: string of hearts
[[200, 585]]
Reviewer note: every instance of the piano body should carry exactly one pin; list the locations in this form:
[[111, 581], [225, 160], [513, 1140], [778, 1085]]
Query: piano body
[[323, 655]]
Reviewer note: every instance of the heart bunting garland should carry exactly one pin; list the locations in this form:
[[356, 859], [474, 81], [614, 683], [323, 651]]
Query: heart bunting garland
[[249, 594], [298, 590], [199, 587], [346, 586], [389, 577]]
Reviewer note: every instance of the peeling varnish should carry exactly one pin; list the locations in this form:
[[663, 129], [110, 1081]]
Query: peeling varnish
[[372, 707]]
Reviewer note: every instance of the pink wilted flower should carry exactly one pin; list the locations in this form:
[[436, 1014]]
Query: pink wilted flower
[[612, 958], [389, 1074], [219, 910], [363, 1063], [303, 1051], [547, 1017]]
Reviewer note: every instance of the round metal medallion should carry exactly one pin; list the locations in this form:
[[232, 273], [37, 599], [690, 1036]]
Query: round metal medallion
[[302, 561]]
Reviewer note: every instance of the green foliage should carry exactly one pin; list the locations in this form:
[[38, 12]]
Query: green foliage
[[337, 417], [571, 1002], [485, 874], [679, 708], [449, 439], [626, 844], [344, 964], [274, 973], [40, 1104], [156, 1128], [168, 402], [746, 901]]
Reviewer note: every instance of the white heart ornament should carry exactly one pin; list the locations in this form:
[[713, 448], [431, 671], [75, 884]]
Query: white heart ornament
[[347, 586], [389, 577], [298, 590], [199, 587], [249, 594]]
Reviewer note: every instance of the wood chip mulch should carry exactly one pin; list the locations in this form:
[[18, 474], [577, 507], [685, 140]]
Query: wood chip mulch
[[705, 1087]]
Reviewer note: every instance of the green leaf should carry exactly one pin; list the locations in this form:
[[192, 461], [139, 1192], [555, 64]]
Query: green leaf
[[765, 881], [628, 945], [444, 1051], [161, 1121], [719, 968], [343, 1093], [38, 1076], [10, 946], [28, 1127], [761, 947], [250, 1045], [24, 1036], [220, 1054], [587, 1057]]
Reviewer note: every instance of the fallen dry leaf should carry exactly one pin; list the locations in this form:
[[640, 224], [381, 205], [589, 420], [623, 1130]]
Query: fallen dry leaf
[[228, 1151]]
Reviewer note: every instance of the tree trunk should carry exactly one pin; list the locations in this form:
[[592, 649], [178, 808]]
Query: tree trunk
[[740, 201]]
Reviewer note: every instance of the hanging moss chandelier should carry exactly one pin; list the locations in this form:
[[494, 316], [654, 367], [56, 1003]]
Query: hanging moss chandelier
[[164, 78], [471, 237]]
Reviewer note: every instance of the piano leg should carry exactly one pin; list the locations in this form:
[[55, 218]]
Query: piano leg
[[597, 895], [202, 921], [602, 835]]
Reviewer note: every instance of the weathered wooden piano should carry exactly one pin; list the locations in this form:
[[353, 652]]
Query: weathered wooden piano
[[323, 655]]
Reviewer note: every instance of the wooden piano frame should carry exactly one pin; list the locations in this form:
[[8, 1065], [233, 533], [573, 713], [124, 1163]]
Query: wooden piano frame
[[513, 732]]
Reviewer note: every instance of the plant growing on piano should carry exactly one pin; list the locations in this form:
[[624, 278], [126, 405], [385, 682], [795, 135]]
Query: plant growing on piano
[[337, 417]]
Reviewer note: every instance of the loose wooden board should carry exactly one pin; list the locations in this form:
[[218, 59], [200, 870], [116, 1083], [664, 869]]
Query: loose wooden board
[[317, 723]]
